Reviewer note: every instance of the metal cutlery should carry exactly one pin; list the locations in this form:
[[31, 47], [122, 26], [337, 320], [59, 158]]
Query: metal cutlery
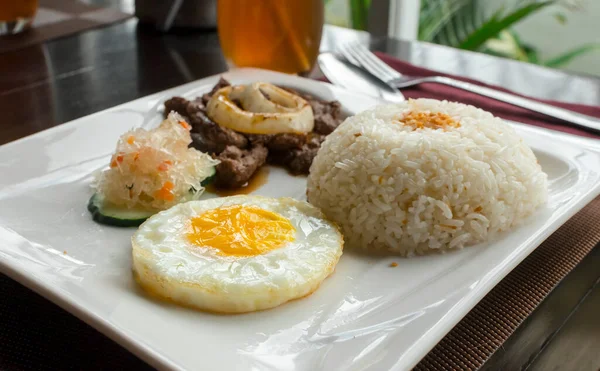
[[359, 55], [351, 77]]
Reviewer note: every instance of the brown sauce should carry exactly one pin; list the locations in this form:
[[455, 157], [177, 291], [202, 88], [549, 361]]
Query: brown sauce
[[258, 179]]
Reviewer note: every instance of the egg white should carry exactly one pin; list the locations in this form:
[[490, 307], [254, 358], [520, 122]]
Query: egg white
[[169, 266]]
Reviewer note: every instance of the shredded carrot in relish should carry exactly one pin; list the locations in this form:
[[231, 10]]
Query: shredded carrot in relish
[[165, 192], [117, 160], [159, 163], [164, 166]]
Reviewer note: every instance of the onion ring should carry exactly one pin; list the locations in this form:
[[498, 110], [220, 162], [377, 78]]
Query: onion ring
[[266, 109]]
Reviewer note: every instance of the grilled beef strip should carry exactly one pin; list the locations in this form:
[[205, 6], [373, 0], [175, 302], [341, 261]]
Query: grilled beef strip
[[220, 84], [327, 114], [298, 160], [238, 165]]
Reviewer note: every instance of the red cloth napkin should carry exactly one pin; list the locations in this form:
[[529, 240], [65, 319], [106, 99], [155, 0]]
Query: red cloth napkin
[[501, 109]]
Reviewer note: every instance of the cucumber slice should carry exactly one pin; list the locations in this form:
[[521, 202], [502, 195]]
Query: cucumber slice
[[116, 216], [209, 179]]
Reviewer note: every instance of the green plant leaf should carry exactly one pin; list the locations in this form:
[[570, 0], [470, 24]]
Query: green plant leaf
[[466, 20], [568, 56], [359, 12], [533, 56], [435, 14], [497, 23], [466, 17]]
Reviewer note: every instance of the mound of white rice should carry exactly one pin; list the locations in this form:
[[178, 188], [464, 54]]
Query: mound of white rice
[[397, 180]]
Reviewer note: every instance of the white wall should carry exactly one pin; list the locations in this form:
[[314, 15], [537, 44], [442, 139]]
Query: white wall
[[552, 38]]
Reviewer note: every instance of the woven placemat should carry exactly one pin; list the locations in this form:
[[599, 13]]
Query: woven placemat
[[59, 18], [36, 334]]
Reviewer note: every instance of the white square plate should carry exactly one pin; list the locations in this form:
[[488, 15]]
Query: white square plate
[[365, 316]]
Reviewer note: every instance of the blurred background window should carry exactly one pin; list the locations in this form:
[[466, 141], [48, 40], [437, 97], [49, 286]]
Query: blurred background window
[[561, 34]]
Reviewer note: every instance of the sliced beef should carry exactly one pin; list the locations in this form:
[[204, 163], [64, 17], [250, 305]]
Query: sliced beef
[[194, 107], [278, 142], [184, 107], [315, 140], [203, 143], [327, 114], [281, 142], [221, 84], [177, 104], [238, 165], [298, 160], [259, 139], [219, 137]]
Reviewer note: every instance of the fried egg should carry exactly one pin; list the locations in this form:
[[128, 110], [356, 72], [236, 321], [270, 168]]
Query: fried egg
[[235, 254]]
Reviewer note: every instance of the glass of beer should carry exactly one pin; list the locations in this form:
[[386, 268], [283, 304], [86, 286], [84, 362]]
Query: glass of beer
[[16, 15], [280, 35]]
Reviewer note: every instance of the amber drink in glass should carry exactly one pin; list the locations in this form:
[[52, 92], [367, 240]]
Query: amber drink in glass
[[279, 35], [16, 15]]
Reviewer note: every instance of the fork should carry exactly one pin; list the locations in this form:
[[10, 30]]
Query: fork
[[359, 55]]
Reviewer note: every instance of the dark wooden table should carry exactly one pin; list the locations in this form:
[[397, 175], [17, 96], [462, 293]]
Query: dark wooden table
[[49, 84]]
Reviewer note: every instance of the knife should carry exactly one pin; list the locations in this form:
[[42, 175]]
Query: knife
[[343, 73]]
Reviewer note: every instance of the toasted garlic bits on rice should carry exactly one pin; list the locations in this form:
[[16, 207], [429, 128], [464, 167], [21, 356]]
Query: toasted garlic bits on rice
[[425, 175]]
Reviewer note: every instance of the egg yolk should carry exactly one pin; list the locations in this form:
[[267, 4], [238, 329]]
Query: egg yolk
[[241, 230]]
